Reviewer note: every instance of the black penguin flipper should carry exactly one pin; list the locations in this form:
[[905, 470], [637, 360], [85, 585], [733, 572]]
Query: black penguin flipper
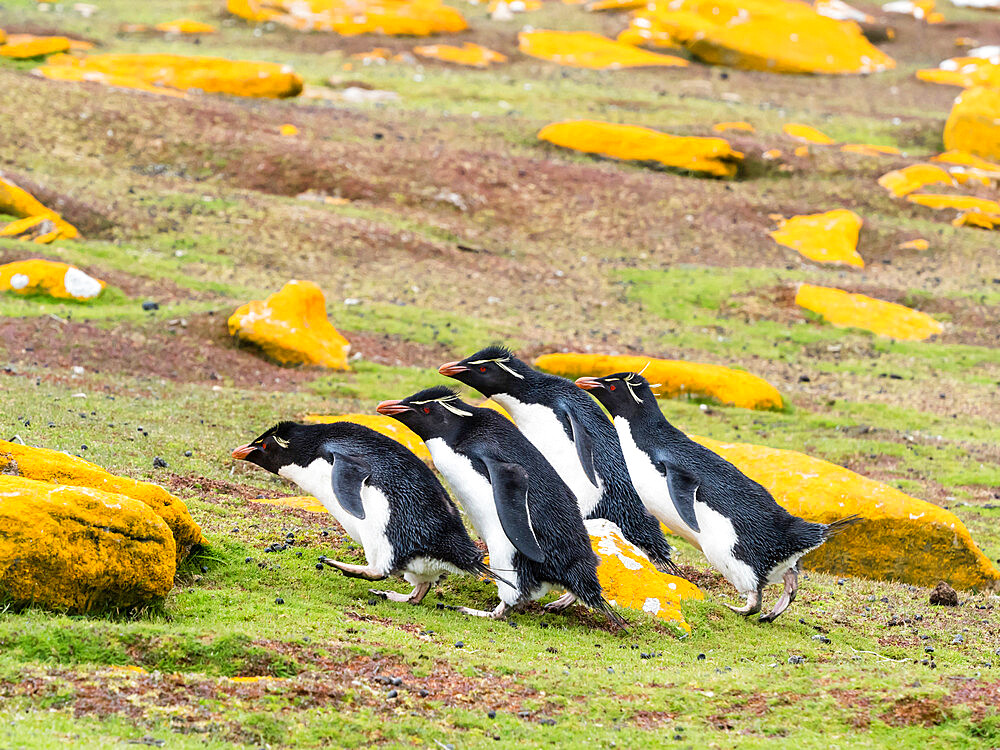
[[584, 446], [683, 491], [349, 475], [510, 493]]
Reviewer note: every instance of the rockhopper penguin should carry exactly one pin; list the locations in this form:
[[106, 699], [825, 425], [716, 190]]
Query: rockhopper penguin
[[574, 435], [384, 496], [521, 508], [739, 527]]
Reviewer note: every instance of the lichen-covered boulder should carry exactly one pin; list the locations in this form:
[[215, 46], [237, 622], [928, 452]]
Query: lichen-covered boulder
[[386, 425], [45, 465], [76, 549], [899, 538], [180, 73], [630, 580], [583, 49], [830, 237], [846, 310], [901, 182], [775, 36], [973, 211], [676, 378], [712, 156], [291, 327], [59, 280], [870, 149], [806, 133], [185, 26], [38, 223], [351, 17], [973, 124], [963, 71], [29, 46], [469, 54]]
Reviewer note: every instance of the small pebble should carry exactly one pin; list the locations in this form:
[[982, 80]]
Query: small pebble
[[150, 305], [397, 681], [548, 722], [928, 649], [423, 693], [187, 454], [392, 694], [796, 659], [491, 714], [701, 657], [821, 638], [204, 569], [279, 600], [319, 566], [159, 463], [459, 644], [83, 447], [249, 559]]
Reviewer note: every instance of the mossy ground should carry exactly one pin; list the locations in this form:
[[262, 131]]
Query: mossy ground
[[462, 230]]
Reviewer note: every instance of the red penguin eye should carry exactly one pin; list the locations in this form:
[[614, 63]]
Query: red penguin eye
[[482, 369], [427, 410], [611, 387]]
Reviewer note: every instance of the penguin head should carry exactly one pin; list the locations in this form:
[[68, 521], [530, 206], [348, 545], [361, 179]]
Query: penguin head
[[623, 394], [280, 446], [490, 371], [432, 412]]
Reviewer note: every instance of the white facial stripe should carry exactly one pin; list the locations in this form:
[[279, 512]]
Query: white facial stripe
[[499, 363], [281, 442], [444, 402]]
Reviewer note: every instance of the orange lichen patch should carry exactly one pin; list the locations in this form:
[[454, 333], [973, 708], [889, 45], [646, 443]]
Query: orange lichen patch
[[713, 156], [899, 538], [630, 580], [806, 133], [291, 327], [599, 5], [77, 549], [288, 130], [845, 310], [777, 36], [385, 425], [513, 6], [868, 149], [722, 127], [43, 465], [80, 75], [379, 54], [959, 202], [917, 244], [49, 277], [38, 223], [964, 72], [26, 46], [213, 75], [473, 55], [969, 168], [973, 124], [304, 502], [771, 154], [904, 181], [582, 49], [676, 378], [3, 36], [801, 151], [830, 237], [977, 219], [841, 11], [351, 17], [185, 26]]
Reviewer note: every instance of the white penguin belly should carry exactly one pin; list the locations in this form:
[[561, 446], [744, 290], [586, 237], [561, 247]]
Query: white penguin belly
[[543, 429], [475, 494], [716, 536], [369, 531]]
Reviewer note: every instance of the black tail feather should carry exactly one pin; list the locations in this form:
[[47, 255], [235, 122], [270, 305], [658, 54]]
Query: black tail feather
[[482, 570], [838, 526]]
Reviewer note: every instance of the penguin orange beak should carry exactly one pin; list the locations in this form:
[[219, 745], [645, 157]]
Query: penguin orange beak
[[451, 369], [589, 384], [391, 408], [243, 451]]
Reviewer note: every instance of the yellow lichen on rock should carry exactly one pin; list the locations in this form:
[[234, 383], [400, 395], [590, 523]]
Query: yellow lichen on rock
[[26, 46], [806, 133], [977, 219], [846, 310], [722, 127], [38, 223], [582, 49], [385, 425], [870, 149], [918, 244], [958, 202], [676, 378], [713, 156], [777, 36], [54, 467], [185, 26], [596, 6], [76, 549], [291, 327], [830, 237], [973, 124], [351, 17], [964, 72], [899, 538], [59, 280], [904, 181], [630, 580], [211, 75], [472, 55]]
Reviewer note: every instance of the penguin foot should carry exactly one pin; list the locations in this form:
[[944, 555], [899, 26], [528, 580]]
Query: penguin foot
[[561, 604], [497, 614], [353, 571], [414, 597], [752, 606], [791, 580]]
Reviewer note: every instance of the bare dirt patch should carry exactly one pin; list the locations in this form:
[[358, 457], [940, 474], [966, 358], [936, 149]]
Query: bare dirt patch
[[912, 710]]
